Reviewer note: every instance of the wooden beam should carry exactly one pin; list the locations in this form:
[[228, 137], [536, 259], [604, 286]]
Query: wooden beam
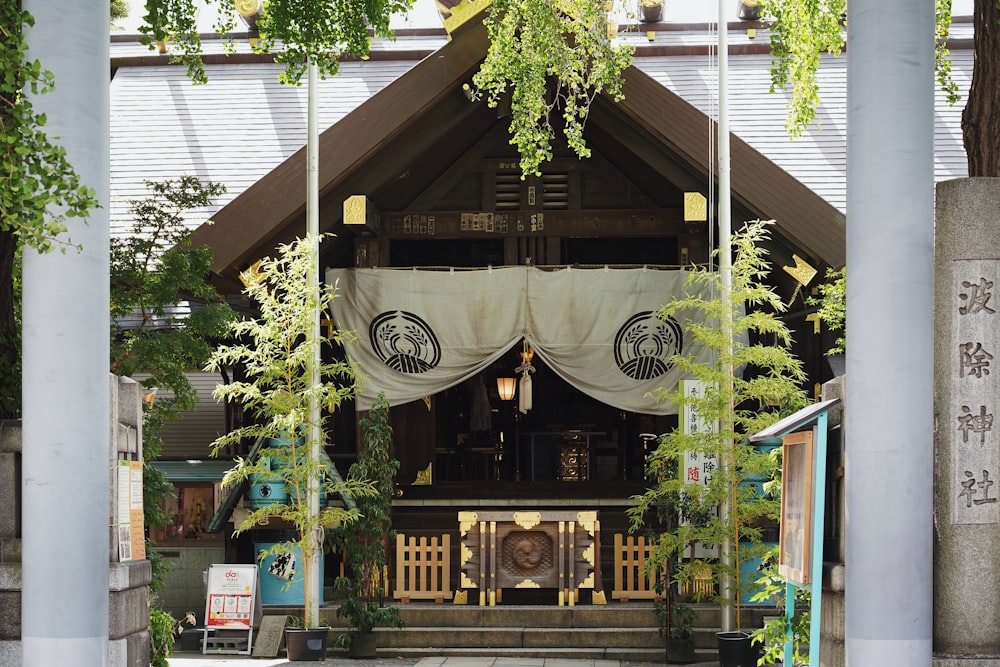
[[581, 224]]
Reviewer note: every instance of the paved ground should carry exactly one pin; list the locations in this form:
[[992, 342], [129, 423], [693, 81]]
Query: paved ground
[[193, 659]]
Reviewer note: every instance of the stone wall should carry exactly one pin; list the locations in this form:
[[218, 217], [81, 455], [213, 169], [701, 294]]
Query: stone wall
[[832, 631], [184, 588], [128, 585]]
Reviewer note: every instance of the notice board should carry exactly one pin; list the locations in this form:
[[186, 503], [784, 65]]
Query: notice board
[[232, 590], [797, 469]]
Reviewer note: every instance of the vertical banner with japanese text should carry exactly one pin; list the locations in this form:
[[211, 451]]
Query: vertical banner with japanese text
[[697, 467]]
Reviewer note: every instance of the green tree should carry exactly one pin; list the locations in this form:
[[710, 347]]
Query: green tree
[[550, 56], [36, 180], [119, 9], [803, 29], [366, 542], [153, 268], [295, 32]]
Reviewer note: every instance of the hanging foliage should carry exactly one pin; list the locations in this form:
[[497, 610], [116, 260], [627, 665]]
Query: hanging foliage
[[802, 30], [550, 56], [295, 32], [39, 188]]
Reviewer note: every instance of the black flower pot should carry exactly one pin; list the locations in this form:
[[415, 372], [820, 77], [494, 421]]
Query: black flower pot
[[737, 649], [363, 645], [306, 644], [680, 651]]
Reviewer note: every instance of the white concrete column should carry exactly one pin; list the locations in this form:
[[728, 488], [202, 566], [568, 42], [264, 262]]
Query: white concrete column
[[66, 476], [889, 446]]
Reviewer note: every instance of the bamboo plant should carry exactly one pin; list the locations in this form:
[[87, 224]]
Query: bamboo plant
[[766, 387], [278, 362]]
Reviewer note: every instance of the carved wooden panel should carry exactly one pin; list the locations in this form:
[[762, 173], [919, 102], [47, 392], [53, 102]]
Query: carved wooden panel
[[531, 549]]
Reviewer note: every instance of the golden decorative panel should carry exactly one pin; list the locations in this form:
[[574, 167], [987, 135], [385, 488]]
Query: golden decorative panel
[[527, 520], [356, 210], [462, 12], [527, 583], [424, 476], [695, 207], [466, 520]]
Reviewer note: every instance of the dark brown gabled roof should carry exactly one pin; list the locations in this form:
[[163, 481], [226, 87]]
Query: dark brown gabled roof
[[382, 142], [758, 185]]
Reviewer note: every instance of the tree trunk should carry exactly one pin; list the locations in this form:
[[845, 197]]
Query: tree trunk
[[981, 117], [10, 352]]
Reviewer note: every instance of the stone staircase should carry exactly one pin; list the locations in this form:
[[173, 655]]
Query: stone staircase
[[614, 631]]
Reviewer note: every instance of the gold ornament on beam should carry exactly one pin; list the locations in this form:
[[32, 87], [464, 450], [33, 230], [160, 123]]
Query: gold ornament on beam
[[424, 477], [802, 272], [695, 207]]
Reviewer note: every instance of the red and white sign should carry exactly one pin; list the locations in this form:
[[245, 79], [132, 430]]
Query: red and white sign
[[231, 591]]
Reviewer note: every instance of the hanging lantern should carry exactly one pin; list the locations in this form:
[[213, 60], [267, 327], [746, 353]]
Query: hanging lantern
[[506, 388]]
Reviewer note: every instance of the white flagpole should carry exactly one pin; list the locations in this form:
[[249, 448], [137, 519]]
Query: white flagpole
[[312, 583], [725, 270]]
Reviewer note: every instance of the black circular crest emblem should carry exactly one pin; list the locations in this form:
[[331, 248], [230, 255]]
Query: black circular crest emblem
[[645, 344], [404, 342]]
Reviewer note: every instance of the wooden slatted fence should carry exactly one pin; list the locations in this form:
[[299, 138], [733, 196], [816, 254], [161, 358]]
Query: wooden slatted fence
[[423, 568], [631, 580]]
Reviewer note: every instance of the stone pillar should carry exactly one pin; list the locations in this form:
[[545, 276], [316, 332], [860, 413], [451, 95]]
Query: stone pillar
[[10, 542], [967, 395], [66, 343], [890, 336]]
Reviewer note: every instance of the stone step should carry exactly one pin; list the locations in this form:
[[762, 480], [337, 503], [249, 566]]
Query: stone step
[[623, 654], [626, 632], [616, 615], [513, 637]]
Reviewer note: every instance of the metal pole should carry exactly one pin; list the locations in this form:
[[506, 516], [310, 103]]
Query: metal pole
[[890, 352], [314, 576], [66, 473], [725, 270]]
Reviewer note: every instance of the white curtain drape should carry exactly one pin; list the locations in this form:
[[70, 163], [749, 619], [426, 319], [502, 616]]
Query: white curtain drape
[[420, 332]]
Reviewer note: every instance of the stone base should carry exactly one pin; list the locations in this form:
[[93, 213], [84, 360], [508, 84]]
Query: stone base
[[10, 653], [977, 661]]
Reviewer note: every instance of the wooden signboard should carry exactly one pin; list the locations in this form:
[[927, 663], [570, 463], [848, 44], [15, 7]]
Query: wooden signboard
[[796, 507]]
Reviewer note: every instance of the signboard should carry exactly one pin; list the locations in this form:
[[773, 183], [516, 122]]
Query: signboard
[[131, 526], [231, 592], [794, 561], [231, 603]]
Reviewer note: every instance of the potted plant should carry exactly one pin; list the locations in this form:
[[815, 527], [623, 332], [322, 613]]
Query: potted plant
[[365, 542], [721, 512], [832, 302], [650, 11], [287, 382], [680, 645]]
